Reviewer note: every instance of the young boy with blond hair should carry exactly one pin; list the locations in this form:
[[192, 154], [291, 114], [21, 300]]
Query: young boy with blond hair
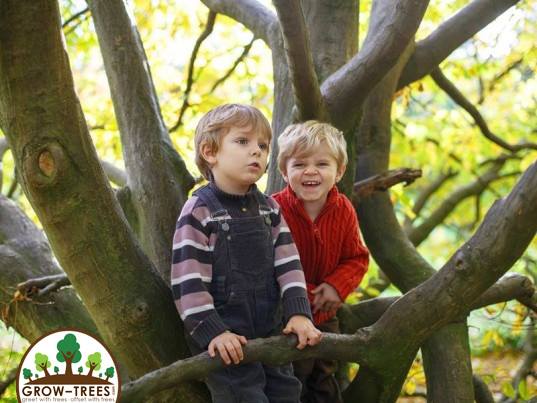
[[324, 226], [235, 265]]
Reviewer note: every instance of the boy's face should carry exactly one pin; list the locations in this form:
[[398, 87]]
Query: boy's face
[[312, 175], [240, 161]]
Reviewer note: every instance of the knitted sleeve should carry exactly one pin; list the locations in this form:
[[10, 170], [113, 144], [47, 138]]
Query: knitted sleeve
[[354, 260], [191, 273], [288, 270]]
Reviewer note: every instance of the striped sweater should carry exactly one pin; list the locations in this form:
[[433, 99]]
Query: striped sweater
[[193, 245]]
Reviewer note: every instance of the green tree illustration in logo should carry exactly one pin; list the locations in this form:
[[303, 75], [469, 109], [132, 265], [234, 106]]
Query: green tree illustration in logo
[[56, 370], [109, 373], [93, 362], [68, 352], [80, 370], [27, 373], [42, 363]]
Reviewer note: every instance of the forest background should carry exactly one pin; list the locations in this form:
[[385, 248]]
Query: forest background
[[194, 70]]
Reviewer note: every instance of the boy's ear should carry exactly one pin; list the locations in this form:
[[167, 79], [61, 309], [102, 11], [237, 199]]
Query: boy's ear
[[208, 153], [284, 176], [340, 172]]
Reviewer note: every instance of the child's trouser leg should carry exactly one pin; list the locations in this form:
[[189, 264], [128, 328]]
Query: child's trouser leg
[[238, 384], [282, 386], [319, 384]]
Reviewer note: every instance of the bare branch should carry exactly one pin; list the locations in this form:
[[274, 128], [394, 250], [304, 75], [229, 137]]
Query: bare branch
[[75, 16], [503, 73], [242, 56], [420, 232], [211, 17], [445, 84], [115, 175], [308, 99], [450, 35], [250, 13], [393, 23], [432, 188], [384, 181], [39, 287], [272, 350]]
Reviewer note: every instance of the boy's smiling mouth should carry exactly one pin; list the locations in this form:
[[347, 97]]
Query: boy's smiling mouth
[[311, 183]]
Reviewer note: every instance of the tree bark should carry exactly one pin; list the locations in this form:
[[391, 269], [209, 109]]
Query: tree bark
[[63, 180], [24, 254], [156, 175]]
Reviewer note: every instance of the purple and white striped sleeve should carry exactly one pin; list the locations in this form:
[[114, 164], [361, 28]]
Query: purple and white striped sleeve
[[191, 273]]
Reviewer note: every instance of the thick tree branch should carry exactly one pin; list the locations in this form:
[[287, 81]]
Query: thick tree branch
[[481, 390], [419, 233], [308, 99], [250, 13], [445, 84], [275, 350], [25, 253], [157, 176], [450, 35], [8, 380], [241, 57], [366, 313], [63, 180], [384, 181], [505, 233], [3, 148], [392, 25], [211, 17]]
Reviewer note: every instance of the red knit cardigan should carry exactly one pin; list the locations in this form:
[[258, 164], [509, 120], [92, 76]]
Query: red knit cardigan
[[330, 247]]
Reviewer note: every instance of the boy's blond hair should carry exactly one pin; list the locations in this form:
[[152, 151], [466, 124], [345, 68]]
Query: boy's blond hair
[[300, 138], [215, 124]]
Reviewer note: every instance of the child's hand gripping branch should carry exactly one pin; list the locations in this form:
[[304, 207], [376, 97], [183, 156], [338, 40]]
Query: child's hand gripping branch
[[326, 298], [229, 346], [307, 333]]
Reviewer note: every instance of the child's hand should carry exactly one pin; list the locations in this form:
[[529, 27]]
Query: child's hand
[[306, 332], [229, 346], [326, 298]]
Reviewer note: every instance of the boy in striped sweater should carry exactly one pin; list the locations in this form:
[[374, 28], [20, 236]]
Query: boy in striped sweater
[[324, 226], [235, 266]]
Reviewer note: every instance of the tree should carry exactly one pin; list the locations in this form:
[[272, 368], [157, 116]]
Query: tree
[[56, 370], [93, 362], [42, 363], [113, 245], [80, 370], [68, 352], [109, 373], [27, 373]]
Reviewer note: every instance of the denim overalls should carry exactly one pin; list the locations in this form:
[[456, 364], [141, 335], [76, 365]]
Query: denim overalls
[[246, 296]]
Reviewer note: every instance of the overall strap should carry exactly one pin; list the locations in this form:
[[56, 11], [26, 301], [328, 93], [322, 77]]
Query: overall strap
[[207, 196], [264, 209]]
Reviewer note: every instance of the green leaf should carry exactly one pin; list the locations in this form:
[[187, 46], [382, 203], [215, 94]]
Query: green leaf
[[523, 390], [507, 390]]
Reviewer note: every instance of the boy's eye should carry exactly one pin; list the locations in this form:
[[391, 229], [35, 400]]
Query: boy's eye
[[263, 146], [298, 164], [323, 164], [241, 141]]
